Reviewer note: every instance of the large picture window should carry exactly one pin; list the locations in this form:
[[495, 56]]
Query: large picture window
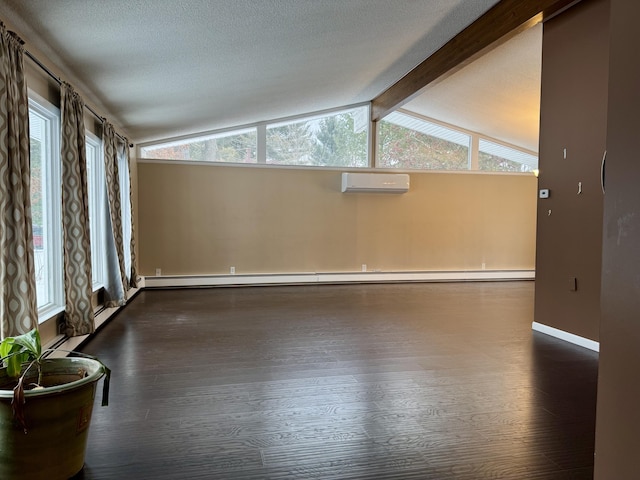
[[342, 139], [44, 131], [329, 139]]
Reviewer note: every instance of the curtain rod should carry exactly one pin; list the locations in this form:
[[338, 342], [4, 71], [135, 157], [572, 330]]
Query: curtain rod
[[59, 81]]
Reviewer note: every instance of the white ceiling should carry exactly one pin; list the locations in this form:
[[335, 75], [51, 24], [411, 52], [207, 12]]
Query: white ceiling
[[164, 68], [497, 95]]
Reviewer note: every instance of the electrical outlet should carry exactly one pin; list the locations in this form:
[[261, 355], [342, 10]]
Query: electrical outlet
[[232, 270], [364, 267], [158, 272]]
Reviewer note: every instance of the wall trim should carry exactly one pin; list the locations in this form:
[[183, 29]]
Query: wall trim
[[338, 169], [566, 336], [173, 281]]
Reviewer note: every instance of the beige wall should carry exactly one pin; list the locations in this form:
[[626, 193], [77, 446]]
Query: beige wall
[[202, 219]]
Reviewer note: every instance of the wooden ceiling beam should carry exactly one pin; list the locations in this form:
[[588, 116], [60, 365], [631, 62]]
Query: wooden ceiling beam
[[504, 18]]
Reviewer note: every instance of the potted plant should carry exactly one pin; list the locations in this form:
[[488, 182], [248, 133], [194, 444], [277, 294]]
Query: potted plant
[[45, 409]]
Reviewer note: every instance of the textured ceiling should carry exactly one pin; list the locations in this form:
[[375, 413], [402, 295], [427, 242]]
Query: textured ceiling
[[163, 68]]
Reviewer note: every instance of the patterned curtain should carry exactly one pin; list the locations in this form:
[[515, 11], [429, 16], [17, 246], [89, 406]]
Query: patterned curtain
[[75, 216], [18, 306], [127, 204], [116, 273]]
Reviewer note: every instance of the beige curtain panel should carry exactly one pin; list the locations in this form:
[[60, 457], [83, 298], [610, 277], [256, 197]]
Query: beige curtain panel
[[75, 216], [123, 152], [18, 306], [116, 274]]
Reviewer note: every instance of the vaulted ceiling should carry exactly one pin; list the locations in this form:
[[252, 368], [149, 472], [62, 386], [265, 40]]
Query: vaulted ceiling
[[165, 68], [497, 95]]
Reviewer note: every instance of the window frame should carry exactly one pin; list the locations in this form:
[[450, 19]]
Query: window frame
[[474, 149], [261, 133], [372, 150], [96, 184], [503, 147], [435, 126], [318, 117], [52, 209], [203, 137]]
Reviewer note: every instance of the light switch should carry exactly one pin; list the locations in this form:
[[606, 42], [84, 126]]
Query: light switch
[[544, 193]]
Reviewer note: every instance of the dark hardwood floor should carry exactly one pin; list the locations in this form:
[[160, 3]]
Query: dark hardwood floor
[[400, 381]]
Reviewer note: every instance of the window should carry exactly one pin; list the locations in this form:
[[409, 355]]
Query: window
[[338, 139], [238, 146], [44, 131], [97, 207], [500, 158], [409, 142]]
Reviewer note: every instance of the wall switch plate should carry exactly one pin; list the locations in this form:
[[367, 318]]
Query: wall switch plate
[[544, 193]]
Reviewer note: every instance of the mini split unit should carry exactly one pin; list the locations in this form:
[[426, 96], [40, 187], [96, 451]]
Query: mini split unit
[[375, 182]]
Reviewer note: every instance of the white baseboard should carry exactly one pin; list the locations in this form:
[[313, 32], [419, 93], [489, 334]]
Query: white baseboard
[[566, 336], [344, 277]]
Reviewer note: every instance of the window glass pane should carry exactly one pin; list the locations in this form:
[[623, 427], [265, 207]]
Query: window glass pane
[[96, 187], [238, 146], [500, 158], [408, 142], [44, 131], [37, 130], [338, 139]]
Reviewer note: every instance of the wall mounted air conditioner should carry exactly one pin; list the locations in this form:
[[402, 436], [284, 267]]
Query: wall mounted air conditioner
[[375, 182]]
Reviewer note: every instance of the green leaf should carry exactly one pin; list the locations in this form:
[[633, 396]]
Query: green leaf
[[31, 343], [14, 351], [6, 346], [14, 363]]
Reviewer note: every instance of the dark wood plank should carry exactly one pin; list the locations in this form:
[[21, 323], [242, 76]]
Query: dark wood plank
[[416, 381], [505, 18]]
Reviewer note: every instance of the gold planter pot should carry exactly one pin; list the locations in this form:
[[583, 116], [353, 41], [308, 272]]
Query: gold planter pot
[[57, 419]]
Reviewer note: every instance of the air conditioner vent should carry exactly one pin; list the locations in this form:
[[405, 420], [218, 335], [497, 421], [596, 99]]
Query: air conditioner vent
[[375, 182]]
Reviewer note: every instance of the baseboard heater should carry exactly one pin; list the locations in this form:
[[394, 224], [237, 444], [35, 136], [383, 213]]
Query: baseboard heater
[[375, 182], [179, 281]]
